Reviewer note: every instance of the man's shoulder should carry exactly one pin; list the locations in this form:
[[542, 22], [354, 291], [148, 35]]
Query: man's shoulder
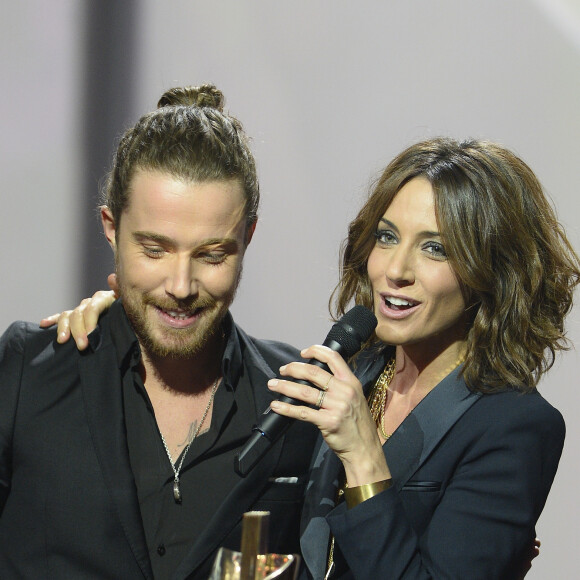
[[274, 352], [30, 353], [280, 350], [21, 333], [272, 349], [31, 342]]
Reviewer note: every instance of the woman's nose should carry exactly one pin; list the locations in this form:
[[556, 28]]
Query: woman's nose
[[400, 266]]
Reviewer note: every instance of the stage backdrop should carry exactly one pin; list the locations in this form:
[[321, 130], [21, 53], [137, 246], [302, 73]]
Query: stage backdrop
[[330, 91]]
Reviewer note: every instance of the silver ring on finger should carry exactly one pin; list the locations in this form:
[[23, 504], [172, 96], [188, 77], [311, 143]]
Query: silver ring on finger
[[320, 398], [325, 388]]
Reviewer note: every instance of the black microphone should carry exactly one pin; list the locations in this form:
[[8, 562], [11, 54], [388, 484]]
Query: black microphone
[[345, 337]]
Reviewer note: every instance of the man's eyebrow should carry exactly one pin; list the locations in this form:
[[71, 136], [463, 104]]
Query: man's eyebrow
[[152, 237], [423, 234], [161, 239], [217, 241]]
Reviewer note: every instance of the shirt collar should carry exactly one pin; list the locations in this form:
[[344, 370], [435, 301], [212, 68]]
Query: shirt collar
[[123, 337], [232, 358]]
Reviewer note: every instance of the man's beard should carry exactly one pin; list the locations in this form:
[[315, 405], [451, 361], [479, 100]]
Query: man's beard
[[164, 341]]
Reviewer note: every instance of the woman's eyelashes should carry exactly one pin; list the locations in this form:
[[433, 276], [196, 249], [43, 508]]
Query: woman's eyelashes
[[385, 237], [434, 248]]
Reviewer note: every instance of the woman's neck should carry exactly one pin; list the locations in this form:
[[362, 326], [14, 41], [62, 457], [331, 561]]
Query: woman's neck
[[420, 369]]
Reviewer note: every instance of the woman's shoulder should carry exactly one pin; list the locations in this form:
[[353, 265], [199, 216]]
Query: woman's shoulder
[[516, 408]]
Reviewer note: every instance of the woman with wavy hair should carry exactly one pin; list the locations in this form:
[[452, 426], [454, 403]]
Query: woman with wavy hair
[[437, 450]]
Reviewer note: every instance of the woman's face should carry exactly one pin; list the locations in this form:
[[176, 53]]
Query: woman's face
[[416, 295]]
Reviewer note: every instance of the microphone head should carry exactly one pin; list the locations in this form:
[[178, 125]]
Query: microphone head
[[354, 328]]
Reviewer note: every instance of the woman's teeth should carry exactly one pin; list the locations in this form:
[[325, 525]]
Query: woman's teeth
[[399, 303]]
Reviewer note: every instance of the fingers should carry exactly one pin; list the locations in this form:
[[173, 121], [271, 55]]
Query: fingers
[[327, 402], [333, 359], [308, 395], [341, 414], [85, 317], [312, 409], [79, 325], [79, 322], [112, 282], [532, 552], [49, 320], [317, 394], [62, 319], [63, 328], [316, 375], [90, 309], [325, 387], [320, 399]]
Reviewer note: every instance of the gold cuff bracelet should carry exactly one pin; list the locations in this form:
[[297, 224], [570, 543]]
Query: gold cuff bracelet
[[356, 495]]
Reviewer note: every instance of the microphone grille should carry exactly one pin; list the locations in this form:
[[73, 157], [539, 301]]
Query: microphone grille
[[354, 328]]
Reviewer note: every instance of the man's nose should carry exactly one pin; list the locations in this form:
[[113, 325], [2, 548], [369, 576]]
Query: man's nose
[[180, 282]]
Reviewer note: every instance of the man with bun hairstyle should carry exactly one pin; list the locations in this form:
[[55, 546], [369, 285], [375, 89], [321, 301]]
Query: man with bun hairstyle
[[118, 461]]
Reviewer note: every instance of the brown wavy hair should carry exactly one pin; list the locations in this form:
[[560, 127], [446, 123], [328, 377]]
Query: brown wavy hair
[[190, 137], [515, 265]]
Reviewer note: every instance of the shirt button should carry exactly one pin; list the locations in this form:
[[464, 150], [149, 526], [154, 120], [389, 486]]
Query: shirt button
[[161, 550]]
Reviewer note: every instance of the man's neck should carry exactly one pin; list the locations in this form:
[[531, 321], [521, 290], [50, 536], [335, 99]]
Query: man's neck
[[183, 376]]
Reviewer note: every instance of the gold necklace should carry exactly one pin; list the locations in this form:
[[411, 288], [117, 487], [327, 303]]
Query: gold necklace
[[378, 396]]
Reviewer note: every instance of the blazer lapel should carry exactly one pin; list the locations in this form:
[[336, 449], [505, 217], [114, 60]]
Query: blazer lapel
[[417, 436], [319, 501], [102, 394]]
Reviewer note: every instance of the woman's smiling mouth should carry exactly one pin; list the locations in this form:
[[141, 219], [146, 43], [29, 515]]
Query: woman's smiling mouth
[[397, 307]]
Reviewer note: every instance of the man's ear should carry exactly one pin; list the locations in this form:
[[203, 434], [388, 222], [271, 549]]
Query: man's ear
[[109, 226], [250, 232]]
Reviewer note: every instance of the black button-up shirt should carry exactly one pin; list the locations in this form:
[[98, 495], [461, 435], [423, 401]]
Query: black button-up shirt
[[207, 474]]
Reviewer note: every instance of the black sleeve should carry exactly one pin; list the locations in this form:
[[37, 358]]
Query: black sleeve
[[11, 364]]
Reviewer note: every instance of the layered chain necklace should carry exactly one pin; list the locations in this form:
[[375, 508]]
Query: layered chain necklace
[[378, 397], [177, 470]]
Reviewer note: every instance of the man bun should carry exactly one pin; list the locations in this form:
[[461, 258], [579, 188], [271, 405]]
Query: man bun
[[203, 96]]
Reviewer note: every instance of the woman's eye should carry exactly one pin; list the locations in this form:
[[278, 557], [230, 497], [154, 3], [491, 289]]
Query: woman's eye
[[385, 237], [436, 249]]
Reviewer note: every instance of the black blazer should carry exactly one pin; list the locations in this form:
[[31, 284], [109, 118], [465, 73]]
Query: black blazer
[[471, 475], [68, 501]]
